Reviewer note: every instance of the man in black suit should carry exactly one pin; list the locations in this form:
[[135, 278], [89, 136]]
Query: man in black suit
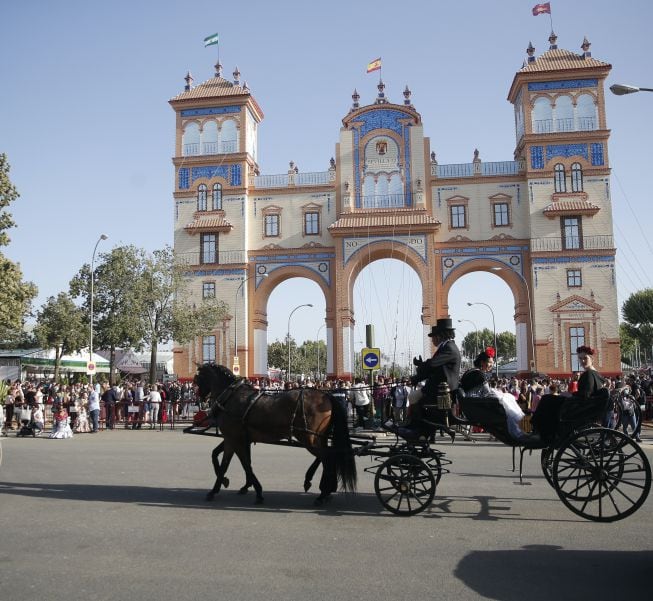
[[444, 366]]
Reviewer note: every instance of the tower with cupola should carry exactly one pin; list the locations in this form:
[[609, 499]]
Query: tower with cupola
[[562, 139]]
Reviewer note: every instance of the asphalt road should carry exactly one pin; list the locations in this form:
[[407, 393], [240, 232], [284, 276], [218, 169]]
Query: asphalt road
[[121, 515]]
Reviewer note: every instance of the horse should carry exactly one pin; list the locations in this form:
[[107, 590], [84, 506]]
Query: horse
[[309, 417]]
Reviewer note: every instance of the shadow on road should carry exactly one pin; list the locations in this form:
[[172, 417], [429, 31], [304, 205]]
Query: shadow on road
[[479, 507], [543, 572]]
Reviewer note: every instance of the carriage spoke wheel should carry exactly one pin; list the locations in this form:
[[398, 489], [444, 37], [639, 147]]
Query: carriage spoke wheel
[[404, 485], [601, 475]]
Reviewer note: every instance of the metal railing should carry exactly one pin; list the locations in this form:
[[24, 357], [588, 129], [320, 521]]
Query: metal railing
[[587, 123], [223, 257], [191, 149], [554, 244], [315, 178], [271, 181], [283, 180], [488, 169], [226, 147], [383, 201]]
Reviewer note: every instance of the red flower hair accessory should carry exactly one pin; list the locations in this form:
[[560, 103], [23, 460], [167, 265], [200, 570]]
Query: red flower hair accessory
[[586, 350], [490, 352]]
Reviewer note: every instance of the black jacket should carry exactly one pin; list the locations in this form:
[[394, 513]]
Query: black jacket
[[444, 366]]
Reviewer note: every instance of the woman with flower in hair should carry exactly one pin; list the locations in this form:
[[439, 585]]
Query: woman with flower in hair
[[590, 382], [475, 384]]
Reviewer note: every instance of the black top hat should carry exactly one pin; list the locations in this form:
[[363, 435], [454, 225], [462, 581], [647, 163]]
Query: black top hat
[[442, 324]]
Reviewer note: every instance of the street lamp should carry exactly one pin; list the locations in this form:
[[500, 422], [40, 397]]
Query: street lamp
[[90, 341], [317, 345], [289, 316], [621, 89], [475, 334], [494, 329], [263, 275], [530, 312]]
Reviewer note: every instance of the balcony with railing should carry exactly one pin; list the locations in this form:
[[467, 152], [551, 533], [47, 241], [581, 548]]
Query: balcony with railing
[[490, 168], [224, 147], [383, 201], [560, 243], [549, 126], [283, 180], [224, 257]]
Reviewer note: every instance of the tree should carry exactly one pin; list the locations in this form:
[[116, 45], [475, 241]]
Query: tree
[[278, 355], [59, 325], [162, 291], [117, 319], [477, 341], [15, 295], [627, 343], [507, 345], [637, 312]]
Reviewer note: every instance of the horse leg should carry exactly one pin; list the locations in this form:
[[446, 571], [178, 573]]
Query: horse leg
[[215, 459], [310, 472], [224, 465], [329, 479], [248, 482], [245, 460]]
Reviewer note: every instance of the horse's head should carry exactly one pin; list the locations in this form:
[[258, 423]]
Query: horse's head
[[211, 381]]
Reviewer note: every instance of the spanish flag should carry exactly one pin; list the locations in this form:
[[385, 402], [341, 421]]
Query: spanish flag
[[542, 9], [375, 65]]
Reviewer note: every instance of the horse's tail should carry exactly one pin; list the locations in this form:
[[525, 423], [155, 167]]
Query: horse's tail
[[341, 451]]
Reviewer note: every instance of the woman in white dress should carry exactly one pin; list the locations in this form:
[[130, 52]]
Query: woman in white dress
[[474, 383], [82, 417], [61, 426]]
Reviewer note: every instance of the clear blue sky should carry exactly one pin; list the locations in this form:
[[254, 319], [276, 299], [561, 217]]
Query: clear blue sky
[[85, 122]]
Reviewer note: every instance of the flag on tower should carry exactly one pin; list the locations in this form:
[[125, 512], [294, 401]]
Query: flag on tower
[[211, 40], [542, 9], [375, 65]]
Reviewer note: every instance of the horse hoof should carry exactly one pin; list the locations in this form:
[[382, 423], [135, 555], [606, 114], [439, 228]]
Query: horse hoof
[[307, 485], [243, 490], [259, 501], [225, 482]]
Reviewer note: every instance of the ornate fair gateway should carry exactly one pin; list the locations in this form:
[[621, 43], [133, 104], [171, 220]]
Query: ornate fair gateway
[[541, 222]]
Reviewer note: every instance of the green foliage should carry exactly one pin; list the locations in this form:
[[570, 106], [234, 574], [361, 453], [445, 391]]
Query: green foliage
[[303, 359], [637, 312], [8, 194], [507, 345], [627, 342], [60, 325], [15, 295], [475, 342]]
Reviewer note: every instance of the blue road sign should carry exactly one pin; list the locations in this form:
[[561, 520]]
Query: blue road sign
[[371, 358]]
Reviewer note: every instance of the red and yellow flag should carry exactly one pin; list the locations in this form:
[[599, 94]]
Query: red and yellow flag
[[541, 9], [375, 65]]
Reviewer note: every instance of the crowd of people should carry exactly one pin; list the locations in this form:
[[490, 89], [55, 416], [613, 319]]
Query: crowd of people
[[81, 408]]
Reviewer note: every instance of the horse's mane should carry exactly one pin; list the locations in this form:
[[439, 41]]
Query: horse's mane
[[211, 376]]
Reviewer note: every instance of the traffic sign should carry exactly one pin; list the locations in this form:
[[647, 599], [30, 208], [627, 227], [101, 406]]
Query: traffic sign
[[90, 367], [371, 357]]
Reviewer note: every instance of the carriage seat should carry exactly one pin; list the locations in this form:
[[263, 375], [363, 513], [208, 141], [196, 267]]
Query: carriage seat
[[489, 414]]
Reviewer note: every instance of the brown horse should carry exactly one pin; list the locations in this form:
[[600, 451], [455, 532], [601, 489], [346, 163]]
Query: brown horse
[[244, 415]]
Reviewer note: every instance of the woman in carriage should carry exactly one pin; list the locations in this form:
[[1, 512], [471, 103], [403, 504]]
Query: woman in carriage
[[475, 384]]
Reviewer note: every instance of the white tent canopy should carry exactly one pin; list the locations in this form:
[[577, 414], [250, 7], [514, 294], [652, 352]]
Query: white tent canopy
[[43, 360]]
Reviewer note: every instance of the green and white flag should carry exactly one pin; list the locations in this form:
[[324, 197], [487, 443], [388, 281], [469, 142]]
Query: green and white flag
[[211, 40]]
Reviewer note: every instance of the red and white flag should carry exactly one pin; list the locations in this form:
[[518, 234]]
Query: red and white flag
[[542, 9]]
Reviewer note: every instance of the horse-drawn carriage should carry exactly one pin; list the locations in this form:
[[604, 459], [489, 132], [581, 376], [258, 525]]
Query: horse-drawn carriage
[[598, 473]]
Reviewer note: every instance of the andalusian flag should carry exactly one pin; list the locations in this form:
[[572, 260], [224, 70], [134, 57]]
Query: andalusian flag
[[211, 40], [375, 65]]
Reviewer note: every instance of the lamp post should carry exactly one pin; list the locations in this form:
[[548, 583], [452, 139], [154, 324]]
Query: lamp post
[[621, 89], [530, 313], [263, 275], [494, 329], [475, 334], [317, 346], [90, 340], [289, 316]]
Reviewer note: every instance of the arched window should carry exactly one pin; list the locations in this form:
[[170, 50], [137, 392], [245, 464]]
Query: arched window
[[217, 197], [576, 178], [210, 138], [229, 137], [190, 141], [201, 197], [542, 116], [564, 114], [586, 113], [560, 184]]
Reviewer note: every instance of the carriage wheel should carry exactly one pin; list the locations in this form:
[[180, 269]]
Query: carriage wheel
[[404, 485], [546, 460], [601, 475]]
